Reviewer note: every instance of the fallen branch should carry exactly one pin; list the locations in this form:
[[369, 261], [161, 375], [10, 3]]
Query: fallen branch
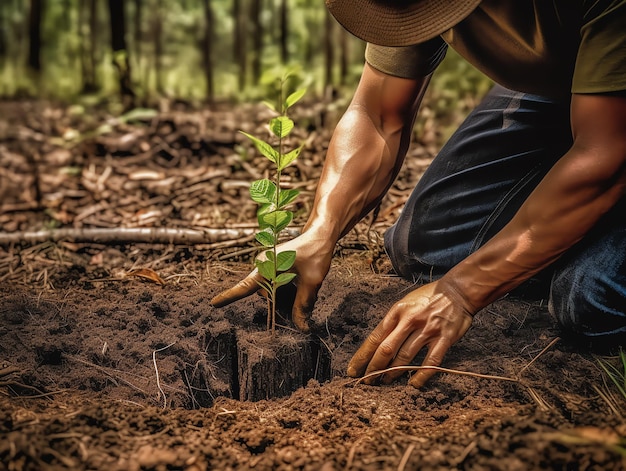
[[156, 235]]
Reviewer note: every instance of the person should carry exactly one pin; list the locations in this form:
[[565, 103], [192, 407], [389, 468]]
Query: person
[[531, 184]]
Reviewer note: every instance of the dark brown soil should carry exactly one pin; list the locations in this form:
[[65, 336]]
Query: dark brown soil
[[133, 375], [103, 369]]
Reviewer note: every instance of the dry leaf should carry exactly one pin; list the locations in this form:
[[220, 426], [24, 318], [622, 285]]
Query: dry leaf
[[147, 274]]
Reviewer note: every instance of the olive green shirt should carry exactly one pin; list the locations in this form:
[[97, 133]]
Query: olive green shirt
[[546, 47]]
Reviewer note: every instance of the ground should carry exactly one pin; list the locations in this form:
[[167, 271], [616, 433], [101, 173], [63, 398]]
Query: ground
[[111, 357]]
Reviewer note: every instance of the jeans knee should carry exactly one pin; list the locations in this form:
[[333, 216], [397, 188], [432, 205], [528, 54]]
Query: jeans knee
[[590, 306]]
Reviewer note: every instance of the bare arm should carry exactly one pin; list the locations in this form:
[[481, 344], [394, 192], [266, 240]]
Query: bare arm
[[366, 151], [586, 182], [573, 196], [364, 156]]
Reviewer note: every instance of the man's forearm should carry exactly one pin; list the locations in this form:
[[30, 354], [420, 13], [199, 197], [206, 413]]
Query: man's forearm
[[570, 200], [360, 166], [365, 153]]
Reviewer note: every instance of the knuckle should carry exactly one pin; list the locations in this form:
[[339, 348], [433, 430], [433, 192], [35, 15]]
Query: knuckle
[[386, 350], [403, 357]]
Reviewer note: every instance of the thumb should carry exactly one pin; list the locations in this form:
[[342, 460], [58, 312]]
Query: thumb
[[247, 286]]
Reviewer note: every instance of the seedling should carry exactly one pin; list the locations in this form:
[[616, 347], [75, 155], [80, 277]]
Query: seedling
[[273, 199]]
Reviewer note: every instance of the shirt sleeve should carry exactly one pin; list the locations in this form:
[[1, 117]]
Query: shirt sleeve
[[409, 62], [601, 60]]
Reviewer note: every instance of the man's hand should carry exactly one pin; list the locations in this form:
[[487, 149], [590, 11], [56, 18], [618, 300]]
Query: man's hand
[[313, 257], [433, 315]]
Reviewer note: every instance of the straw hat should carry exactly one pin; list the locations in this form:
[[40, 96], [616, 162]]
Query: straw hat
[[399, 22]]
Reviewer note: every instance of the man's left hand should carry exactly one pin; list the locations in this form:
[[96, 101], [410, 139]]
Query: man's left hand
[[434, 315]]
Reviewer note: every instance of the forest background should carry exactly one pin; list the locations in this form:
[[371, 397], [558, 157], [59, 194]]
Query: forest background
[[127, 53]]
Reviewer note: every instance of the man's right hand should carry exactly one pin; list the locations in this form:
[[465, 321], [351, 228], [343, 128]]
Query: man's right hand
[[313, 257]]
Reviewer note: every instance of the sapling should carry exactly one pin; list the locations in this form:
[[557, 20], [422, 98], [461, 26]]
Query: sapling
[[272, 215]]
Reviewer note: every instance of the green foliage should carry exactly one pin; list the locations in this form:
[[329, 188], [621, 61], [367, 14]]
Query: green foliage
[[272, 215]]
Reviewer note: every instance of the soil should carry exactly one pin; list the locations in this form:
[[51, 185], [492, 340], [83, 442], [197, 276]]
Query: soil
[[111, 357]]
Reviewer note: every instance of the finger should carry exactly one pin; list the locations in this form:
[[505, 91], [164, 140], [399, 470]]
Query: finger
[[409, 349], [386, 353], [303, 305], [434, 357], [361, 359], [247, 286]]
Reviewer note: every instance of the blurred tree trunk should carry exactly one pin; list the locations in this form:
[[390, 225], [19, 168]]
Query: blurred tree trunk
[[207, 50], [284, 31], [120, 52], [89, 47], [239, 41], [312, 42], [344, 55], [4, 27], [256, 7], [67, 15], [34, 35], [137, 31], [157, 37], [329, 50]]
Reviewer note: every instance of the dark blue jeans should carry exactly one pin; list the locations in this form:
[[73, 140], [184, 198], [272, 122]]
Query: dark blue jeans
[[477, 183]]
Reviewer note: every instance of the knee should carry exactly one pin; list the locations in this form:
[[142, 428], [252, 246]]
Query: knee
[[590, 306]]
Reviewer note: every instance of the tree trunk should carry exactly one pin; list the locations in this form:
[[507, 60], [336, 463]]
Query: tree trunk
[[344, 57], [89, 48], [257, 38], [137, 32], [284, 31], [34, 34], [239, 41], [157, 32], [3, 33], [207, 50], [120, 52], [329, 51]]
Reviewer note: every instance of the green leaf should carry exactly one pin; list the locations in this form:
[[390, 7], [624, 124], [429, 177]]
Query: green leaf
[[270, 105], [294, 98], [277, 220], [286, 197], [263, 191], [289, 157], [283, 279], [263, 147], [266, 269], [281, 126], [285, 260], [266, 238]]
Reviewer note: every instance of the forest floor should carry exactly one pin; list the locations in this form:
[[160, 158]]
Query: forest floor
[[112, 358]]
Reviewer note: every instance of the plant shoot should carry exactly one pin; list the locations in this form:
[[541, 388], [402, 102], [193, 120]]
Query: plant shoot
[[272, 215]]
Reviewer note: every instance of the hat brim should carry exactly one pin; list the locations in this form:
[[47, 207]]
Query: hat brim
[[399, 22]]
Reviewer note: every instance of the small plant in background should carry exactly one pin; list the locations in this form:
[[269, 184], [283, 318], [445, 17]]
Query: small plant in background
[[616, 371], [273, 199]]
